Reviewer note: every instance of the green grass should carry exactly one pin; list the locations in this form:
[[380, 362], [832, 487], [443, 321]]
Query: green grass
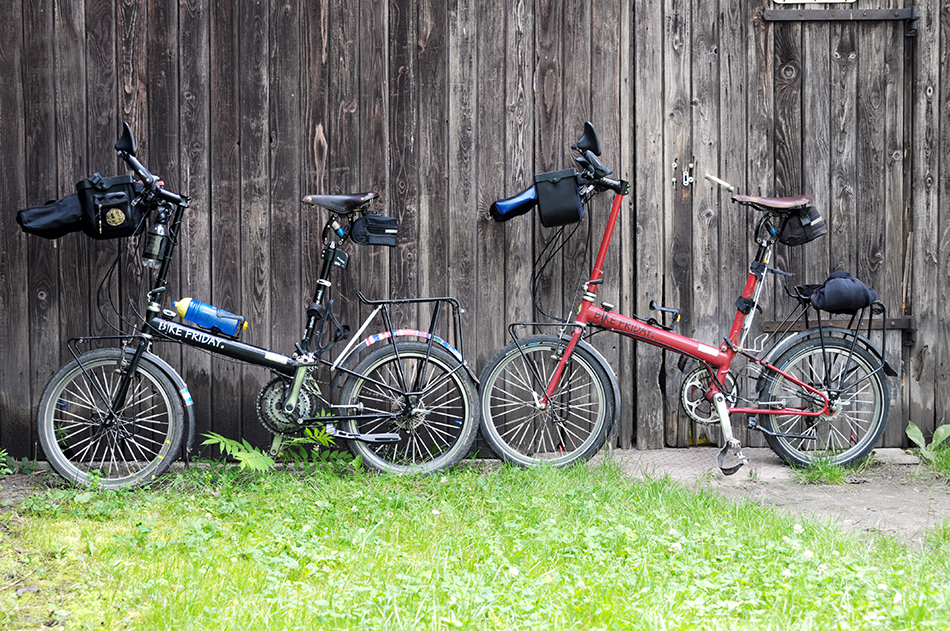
[[941, 463], [507, 549], [820, 472]]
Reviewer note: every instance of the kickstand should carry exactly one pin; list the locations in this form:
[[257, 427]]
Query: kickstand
[[731, 446]]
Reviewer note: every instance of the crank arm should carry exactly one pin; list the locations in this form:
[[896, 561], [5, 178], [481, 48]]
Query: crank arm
[[363, 438]]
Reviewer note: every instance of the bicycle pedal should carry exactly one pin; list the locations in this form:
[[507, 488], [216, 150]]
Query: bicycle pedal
[[736, 450]]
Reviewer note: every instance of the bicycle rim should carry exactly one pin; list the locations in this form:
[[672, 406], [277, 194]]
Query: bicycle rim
[[437, 423], [572, 427], [858, 401], [85, 444]]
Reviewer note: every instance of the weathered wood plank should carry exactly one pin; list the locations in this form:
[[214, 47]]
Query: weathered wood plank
[[734, 228], [519, 154], [462, 121], [225, 210], [344, 138], [549, 132], [841, 218], [605, 110], [489, 299], [760, 156], [133, 100], [816, 136], [941, 375], [285, 140], [41, 185], [373, 262], [788, 138], [678, 291], [871, 183], [897, 94], [70, 104], [16, 420], [314, 53], [433, 149], [652, 183], [404, 155], [925, 370], [194, 248], [706, 216], [254, 91], [101, 126]]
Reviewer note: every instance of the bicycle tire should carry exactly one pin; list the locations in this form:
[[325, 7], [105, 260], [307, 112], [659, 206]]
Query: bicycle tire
[[85, 446], [859, 411], [437, 426], [572, 428]]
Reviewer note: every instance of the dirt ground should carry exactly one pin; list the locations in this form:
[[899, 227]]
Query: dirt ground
[[894, 495]]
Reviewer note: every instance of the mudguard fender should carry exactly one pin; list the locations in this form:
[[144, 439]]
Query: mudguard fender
[[351, 357], [787, 343], [183, 394], [613, 384]]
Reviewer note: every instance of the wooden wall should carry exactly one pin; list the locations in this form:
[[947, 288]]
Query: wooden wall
[[443, 108]]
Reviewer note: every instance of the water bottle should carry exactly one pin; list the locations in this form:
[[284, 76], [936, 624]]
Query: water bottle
[[155, 244], [211, 318]]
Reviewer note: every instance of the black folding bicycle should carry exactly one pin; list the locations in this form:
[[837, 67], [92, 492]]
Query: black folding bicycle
[[117, 416]]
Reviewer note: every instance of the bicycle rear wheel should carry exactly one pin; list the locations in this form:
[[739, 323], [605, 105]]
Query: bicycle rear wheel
[[572, 427], [421, 393], [85, 443], [858, 396]]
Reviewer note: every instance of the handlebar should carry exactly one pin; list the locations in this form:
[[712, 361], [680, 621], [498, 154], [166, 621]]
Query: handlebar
[[125, 149]]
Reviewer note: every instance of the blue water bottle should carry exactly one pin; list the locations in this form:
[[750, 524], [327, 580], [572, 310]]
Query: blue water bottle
[[211, 318]]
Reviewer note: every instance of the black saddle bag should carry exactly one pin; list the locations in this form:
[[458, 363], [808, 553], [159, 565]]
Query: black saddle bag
[[374, 229]]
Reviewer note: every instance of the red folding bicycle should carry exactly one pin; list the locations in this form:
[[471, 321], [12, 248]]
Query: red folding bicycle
[[817, 395]]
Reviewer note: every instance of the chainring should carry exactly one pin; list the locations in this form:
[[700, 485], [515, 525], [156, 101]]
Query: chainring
[[270, 407], [693, 396]]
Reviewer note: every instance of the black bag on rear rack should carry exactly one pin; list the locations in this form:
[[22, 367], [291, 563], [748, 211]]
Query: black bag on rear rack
[[52, 219], [559, 203], [372, 229], [109, 208], [804, 224]]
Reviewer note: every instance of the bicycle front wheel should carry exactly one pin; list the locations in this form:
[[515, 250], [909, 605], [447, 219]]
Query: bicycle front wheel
[[423, 394], [858, 402], [572, 426], [86, 443]]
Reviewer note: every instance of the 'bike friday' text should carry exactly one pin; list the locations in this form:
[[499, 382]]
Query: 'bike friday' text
[[177, 331]]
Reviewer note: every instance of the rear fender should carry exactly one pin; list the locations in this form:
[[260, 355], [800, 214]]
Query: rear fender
[[351, 358], [815, 332]]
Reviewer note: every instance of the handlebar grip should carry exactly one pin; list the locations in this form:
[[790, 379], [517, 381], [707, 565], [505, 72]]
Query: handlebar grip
[[505, 209], [139, 169]]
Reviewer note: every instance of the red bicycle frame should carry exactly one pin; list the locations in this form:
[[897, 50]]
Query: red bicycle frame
[[717, 360]]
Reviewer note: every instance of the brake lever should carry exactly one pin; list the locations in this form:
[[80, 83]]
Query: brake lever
[[599, 169]]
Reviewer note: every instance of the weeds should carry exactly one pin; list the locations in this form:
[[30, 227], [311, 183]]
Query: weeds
[[7, 464], [820, 472], [936, 453]]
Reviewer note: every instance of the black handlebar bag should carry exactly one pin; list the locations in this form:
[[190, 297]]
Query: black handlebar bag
[[559, 202], [109, 206]]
